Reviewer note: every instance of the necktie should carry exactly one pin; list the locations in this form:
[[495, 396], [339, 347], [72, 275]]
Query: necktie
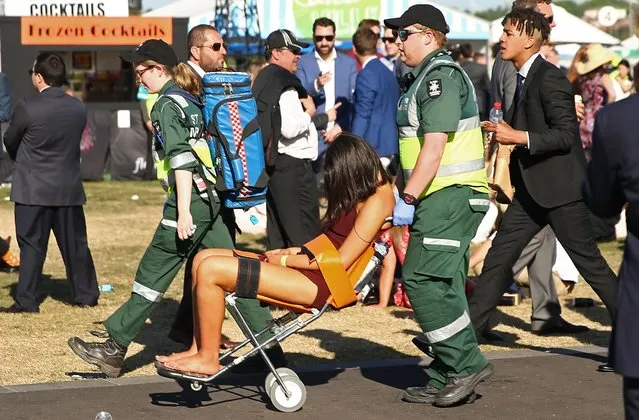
[[520, 85]]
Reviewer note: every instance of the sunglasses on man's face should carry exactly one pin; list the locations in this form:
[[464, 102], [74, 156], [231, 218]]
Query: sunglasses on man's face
[[319, 38], [217, 46], [405, 33]]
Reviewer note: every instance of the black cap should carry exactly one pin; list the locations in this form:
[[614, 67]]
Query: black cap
[[153, 49], [424, 14], [283, 38]]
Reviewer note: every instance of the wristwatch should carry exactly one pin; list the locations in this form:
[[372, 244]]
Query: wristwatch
[[409, 199]]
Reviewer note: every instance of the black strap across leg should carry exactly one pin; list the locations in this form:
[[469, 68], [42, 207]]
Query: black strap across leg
[[248, 277]]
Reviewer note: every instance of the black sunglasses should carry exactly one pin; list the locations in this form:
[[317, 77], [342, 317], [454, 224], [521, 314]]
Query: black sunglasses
[[216, 47], [294, 51], [405, 33], [319, 38]]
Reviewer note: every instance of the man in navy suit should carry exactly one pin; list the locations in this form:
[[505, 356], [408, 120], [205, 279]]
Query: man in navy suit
[[376, 97], [329, 77], [612, 180]]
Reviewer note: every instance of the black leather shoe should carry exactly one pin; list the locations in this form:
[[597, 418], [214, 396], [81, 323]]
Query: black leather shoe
[[424, 346], [108, 356], [15, 309], [560, 326], [461, 387], [256, 363], [420, 394], [491, 336], [606, 368], [84, 305]]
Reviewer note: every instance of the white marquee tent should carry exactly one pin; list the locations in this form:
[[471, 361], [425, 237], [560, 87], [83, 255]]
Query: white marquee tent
[[569, 29], [275, 14]]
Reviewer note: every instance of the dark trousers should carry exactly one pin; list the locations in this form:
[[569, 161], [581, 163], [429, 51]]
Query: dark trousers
[[631, 397], [523, 219], [292, 203], [33, 227]]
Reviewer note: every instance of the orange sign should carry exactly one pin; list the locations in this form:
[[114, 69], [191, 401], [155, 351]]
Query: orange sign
[[65, 30]]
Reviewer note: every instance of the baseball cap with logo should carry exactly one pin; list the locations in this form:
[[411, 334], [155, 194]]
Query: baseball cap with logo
[[283, 38], [424, 14], [153, 49]]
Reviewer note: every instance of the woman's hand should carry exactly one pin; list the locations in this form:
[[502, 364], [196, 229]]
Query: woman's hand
[[285, 251], [185, 226]]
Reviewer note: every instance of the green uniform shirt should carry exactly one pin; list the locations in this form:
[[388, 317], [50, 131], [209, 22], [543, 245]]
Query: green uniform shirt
[[173, 131], [443, 98]]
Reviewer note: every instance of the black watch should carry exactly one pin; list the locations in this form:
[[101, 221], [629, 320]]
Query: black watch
[[409, 199]]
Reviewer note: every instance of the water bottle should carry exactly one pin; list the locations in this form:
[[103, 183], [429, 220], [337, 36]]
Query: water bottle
[[103, 415], [366, 280], [106, 288], [496, 114], [253, 220]]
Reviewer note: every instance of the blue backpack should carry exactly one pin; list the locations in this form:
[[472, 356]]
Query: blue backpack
[[235, 141], [234, 138]]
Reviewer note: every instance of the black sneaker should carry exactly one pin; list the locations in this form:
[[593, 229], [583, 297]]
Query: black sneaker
[[460, 387], [420, 394], [108, 356]]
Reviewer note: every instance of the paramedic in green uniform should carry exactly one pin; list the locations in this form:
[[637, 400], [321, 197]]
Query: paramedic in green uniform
[[189, 220], [444, 200]]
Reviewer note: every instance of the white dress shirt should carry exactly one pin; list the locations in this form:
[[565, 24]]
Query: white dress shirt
[[299, 135], [327, 66], [197, 68]]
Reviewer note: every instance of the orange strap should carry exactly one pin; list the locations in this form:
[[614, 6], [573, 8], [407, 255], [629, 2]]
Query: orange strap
[[339, 281]]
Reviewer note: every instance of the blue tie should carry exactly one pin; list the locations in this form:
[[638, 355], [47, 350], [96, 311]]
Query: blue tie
[[520, 85]]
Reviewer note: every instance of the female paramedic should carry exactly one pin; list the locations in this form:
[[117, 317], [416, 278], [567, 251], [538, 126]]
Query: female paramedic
[[359, 199], [189, 220]]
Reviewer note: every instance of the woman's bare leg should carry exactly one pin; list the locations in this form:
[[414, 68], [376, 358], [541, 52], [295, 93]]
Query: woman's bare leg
[[218, 274], [201, 256], [386, 278]]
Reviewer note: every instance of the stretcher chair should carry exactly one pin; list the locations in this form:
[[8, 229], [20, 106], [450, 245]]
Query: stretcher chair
[[282, 385]]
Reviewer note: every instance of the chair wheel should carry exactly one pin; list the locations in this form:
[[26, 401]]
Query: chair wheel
[[297, 392], [270, 378], [196, 386]]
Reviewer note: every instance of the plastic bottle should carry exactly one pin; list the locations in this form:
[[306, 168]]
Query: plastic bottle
[[103, 415], [496, 114], [366, 280], [106, 288]]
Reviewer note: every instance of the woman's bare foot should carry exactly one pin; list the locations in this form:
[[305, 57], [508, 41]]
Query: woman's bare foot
[[195, 364], [177, 356], [378, 306]]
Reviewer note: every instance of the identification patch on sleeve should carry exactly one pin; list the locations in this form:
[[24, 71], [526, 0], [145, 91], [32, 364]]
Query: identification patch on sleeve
[[435, 88]]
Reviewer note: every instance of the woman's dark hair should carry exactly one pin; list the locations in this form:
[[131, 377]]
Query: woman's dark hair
[[52, 69], [352, 173]]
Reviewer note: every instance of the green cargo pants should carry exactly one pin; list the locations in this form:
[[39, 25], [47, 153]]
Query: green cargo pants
[[434, 275], [161, 262]]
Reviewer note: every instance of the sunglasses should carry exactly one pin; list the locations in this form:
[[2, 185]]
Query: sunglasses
[[296, 52], [217, 46], [405, 33], [139, 73], [319, 38]]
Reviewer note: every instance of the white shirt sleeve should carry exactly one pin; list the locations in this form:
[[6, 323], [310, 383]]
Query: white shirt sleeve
[[294, 120]]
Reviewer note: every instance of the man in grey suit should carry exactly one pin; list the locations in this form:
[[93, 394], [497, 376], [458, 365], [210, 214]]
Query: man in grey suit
[[538, 256], [44, 141]]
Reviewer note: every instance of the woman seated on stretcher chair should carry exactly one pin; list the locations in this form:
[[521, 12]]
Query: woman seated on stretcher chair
[[360, 198]]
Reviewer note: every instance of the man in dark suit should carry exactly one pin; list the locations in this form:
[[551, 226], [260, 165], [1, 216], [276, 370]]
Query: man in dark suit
[[376, 97], [329, 77], [478, 75], [44, 141], [612, 180], [546, 168]]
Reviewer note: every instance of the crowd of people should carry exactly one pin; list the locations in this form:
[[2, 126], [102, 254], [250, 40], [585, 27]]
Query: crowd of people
[[397, 128]]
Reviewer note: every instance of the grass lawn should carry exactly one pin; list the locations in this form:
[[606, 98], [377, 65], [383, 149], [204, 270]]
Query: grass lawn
[[33, 348]]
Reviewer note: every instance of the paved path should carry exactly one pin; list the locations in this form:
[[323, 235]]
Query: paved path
[[526, 385]]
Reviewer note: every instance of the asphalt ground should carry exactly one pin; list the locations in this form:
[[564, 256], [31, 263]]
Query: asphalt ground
[[527, 385]]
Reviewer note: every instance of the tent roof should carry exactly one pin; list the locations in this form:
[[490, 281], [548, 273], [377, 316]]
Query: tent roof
[[569, 29], [275, 14]]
